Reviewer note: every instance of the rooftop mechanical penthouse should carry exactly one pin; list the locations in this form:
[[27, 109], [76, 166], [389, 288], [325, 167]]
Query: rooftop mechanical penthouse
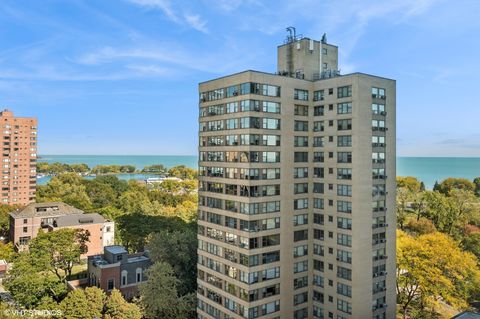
[[297, 190]]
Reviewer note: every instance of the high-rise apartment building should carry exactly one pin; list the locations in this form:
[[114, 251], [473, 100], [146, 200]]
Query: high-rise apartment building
[[19, 158], [297, 191]]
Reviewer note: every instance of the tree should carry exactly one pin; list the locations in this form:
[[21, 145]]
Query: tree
[[5, 219], [117, 308], [422, 186], [100, 194], [77, 306], [181, 171], [422, 226], [118, 185], [462, 210], [80, 168], [134, 229], [127, 169], [455, 183], [154, 169], [29, 284], [471, 243], [409, 182], [58, 251], [132, 200], [94, 303], [476, 181], [404, 196], [430, 267], [177, 248], [67, 188], [6, 251], [437, 209], [159, 297]]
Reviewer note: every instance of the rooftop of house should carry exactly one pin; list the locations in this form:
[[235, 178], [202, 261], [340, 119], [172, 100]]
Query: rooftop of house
[[116, 249], [102, 261], [467, 315], [79, 219], [45, 210]]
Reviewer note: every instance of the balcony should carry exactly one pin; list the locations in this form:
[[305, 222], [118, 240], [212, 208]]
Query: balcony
[[377, 258], [379, 289], [379, 274]]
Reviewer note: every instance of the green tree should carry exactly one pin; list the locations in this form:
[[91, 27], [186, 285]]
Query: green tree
[[463, 209], [422, 186], [127, 169], [29, 285], [58, 251], [134, 229], [404, 196], [117, 308], [177, 248], [81, 303], [109, 212], [118, 185], [100, 194], [437, 209], [132, 200], [6, 251], [409, 182], [66, 188], [471, 243], [430, 267], [80, 168], [181, 171], [422, 226], [5, 219], [476, 181], [455, 183], [154, 169], [159, 296]]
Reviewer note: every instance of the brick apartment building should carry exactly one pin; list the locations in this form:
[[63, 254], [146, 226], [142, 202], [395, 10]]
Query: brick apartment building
[[116, 269], [27, 222], [19, 158]]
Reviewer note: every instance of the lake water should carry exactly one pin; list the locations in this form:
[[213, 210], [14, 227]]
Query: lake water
[[427, 169]]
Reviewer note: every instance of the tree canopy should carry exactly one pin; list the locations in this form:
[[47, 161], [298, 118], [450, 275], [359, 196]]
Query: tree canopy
[[430, 267]]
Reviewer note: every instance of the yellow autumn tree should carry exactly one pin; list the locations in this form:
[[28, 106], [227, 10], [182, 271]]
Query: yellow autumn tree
[[432, 269]]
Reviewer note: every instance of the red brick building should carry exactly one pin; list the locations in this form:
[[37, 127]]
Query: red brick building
[[19, 158], [118, 269], [27, 222]]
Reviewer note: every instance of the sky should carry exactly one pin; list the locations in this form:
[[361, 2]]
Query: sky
[[120, 77]]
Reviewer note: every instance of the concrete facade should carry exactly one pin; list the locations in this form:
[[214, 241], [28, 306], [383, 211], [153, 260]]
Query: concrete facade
[[19, 158], [318, 157]]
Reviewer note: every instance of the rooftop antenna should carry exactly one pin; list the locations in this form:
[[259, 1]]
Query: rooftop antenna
[[292, 34], [324, 38]]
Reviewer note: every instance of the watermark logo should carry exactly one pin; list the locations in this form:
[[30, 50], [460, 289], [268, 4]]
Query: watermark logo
[[32, 313]]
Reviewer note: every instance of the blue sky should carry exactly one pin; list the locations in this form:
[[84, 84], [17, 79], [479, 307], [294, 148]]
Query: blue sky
[[121, 76]]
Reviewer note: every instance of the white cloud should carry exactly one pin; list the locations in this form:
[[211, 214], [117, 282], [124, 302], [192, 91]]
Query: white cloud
[[192, 20], [149, 69], [163, 5], [196, 22]]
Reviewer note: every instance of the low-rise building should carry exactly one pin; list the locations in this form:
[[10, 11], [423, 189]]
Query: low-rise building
[[117, 269], [27, 222]]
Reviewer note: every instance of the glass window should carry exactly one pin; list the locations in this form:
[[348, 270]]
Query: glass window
[[344, 108], [344, 91], [301, 95]]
